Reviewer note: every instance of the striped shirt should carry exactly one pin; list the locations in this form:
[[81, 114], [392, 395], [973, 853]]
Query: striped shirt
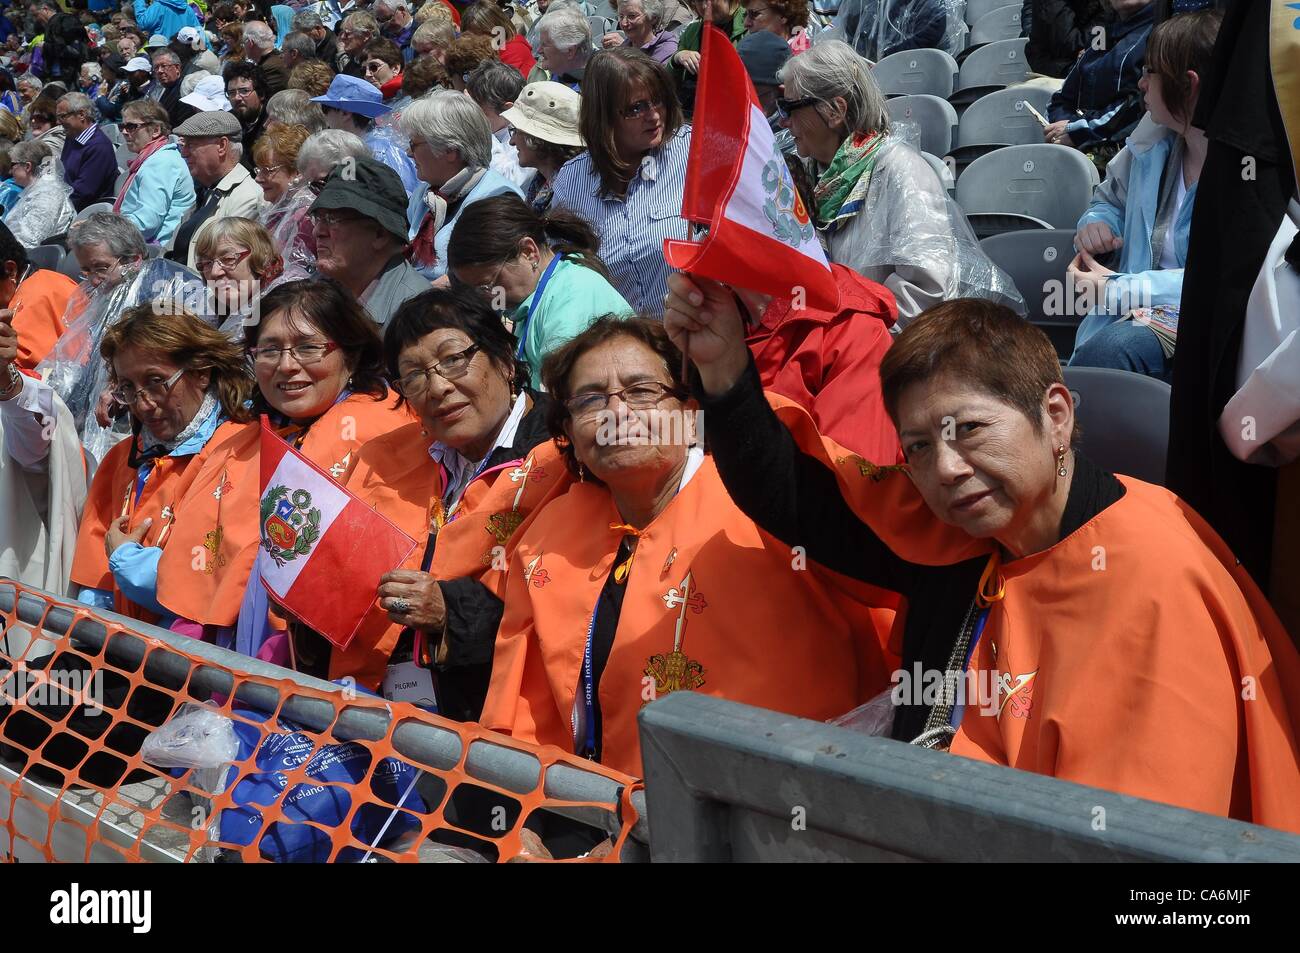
[[632, 229]]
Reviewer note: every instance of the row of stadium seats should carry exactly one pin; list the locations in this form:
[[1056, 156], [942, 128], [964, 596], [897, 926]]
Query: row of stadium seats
[[990, 67]]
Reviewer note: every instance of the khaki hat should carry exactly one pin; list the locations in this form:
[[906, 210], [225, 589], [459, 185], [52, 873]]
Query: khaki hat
[[547, 111]]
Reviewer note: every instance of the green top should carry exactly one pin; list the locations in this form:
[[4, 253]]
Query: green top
[[574, 298], [691, 39]]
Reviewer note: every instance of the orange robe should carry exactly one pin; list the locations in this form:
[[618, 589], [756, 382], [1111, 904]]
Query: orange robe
[[398, 478], [1135, 655], [704, 582], [112, 496], [203, 573], [39, 305]]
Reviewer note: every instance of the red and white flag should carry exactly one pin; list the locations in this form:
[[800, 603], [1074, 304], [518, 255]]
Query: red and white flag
[[761, 236], [322, 550]]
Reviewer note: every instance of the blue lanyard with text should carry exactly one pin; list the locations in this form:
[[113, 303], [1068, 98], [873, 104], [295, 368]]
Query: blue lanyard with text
[[537, 300], [589, 689]]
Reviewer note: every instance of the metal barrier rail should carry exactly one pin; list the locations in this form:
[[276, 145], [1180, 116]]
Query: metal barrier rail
[[422, 741], [730, 782]]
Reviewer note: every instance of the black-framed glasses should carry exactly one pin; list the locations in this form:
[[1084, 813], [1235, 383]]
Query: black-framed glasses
[[156, 391], [303, 354], [785, 107], [133, 126], [450, 368], [639, 108], [642, 395]]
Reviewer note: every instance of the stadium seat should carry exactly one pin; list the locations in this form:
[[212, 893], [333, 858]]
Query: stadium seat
[[121, 181], [978, 9], [153, 251], [942, 170], [124, 155], [935, 118], [1123, 420], [71, 267], [92, 209], [916, 72], [45, 256], [1044, 182], [1036, 261], [993, 66], [999, 119], [113, 131], [1000, 24]]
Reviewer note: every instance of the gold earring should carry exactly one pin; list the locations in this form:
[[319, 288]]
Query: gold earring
[[582, 473], [1060, 460]]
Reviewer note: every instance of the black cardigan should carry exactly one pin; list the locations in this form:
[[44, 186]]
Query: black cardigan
[[795, 498]]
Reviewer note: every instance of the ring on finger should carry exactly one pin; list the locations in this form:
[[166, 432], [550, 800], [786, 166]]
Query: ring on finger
[[401, 606]]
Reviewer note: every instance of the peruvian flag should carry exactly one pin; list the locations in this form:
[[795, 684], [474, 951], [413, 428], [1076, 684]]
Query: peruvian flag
[[760, 234], [322, 550]]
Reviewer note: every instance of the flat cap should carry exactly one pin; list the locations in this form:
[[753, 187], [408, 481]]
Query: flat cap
[[210, 124]]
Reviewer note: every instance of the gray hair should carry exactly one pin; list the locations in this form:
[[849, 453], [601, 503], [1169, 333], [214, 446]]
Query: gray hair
[[122, 239], [93, 69], [259, 33], [447, 119], [169, 55], [33, 151], [78, 103], [832, 68], [654, 11], [28, 80], [566, 27], [433, 31], [493, 84], [295, 108], [300, 43], [394, 5], [329, 147], [306, 20], [363, 21]]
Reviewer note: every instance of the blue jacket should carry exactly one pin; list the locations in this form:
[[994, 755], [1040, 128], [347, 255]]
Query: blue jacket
[[1133, 179], [159, 196], [90, 169], [1100, 97], [491, 184], [164, 16]]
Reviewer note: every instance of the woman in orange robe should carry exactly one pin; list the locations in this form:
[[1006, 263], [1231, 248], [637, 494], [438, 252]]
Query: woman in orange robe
[[1100, 631], [185, 385], [464, 480], [317, 362], [645, 579]]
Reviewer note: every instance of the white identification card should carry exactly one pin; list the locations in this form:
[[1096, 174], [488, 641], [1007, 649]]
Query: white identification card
[[409, 682]]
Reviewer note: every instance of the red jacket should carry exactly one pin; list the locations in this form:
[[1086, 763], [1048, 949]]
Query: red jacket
[[829, 364], [519, 54]]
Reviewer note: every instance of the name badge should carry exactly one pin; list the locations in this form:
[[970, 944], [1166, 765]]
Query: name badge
[[409, 682]]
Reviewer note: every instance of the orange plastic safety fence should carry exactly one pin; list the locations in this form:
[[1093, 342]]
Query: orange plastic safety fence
[[84, 752]]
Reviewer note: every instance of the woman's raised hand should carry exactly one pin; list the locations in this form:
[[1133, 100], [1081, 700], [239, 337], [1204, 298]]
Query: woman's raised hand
[[703, 320]]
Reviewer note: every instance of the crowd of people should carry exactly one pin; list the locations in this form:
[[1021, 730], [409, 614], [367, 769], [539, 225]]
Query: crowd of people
[[424, 243]]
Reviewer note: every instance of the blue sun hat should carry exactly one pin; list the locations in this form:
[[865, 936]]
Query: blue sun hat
[[354, 95]]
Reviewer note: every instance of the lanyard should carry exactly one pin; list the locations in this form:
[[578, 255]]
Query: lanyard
[[588, 749], [537, 300]]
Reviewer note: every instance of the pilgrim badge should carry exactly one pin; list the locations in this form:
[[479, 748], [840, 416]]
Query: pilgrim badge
[[290, 525]]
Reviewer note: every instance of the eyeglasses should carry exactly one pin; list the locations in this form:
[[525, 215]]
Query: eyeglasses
[[640, 107], [640, 396], [450, 368], [333, 219], [133, 126], [785, 107], [487, 288], [240, 93], [156, 391], [228, 263], [303, 354], [260, 170], [100, 271], [374, 66]]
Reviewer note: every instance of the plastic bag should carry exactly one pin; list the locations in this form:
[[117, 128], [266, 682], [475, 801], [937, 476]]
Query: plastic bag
[[876, 28], [874, 718], [197, 737]]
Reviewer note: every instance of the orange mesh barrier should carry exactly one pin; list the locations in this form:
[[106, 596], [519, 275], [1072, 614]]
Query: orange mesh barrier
[[75, 707]]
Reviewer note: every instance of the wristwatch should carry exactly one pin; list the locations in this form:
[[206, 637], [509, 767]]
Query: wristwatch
[[14, 386]]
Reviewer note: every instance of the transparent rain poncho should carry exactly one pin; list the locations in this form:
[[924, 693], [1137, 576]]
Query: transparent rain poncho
[[876, 28], [912, 238], [285, 221], [75, 369], [42, 211]]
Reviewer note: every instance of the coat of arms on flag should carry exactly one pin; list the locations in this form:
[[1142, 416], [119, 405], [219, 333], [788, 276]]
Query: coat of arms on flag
[[760, 233], [290, 525]]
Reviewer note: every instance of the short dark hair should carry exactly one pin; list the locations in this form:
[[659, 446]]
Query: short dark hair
[[423, 74], [338, 315], [385, 50], [493, 84], [978, 343], [242, 69], [11, 249], [609, 76], [45, 108], [558, 366], [1181, 43], [459, 308], [488, 232]]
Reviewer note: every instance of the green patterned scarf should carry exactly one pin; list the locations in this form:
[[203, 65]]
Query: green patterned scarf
[[854, 161]]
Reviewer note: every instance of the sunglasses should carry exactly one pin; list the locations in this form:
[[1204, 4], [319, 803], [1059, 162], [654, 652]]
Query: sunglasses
[[785, 107], [639, 108]]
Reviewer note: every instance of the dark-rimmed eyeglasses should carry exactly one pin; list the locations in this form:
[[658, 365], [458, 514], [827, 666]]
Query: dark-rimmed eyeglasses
[[450, 368], [156, 391], [642, 395], [786, 107], [303, 354]]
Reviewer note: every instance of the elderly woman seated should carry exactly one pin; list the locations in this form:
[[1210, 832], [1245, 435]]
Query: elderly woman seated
[[44, 209], [159, 191], [451, 143], [288, 196], [239, 265], [1099, 630], [644, 578], [463, 478], [876, 200]]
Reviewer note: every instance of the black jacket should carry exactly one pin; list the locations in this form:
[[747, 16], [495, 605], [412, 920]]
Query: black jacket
[[1100, 97], [796, 499], [1058, 31], [66, 47]]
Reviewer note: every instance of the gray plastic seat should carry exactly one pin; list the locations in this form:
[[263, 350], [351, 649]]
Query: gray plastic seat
[[935, 117], [1049, 182], [978, 9], [1036, 261], [915, 73], [992, 66], [1002, 23], [90, 210], [943, 171], [1123, 418], [1000, 119], [113, 131], [45, 256], [70, 266]]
